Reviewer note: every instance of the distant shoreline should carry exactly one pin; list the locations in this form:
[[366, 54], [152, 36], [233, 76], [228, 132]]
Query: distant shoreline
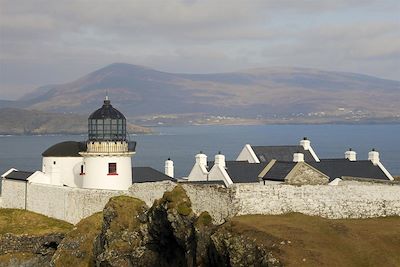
[[153, 127]]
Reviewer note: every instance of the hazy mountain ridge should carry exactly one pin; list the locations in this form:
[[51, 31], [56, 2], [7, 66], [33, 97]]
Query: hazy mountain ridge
[[266, 93]]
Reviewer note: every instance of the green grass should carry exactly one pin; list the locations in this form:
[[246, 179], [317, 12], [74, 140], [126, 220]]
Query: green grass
[[16, 221], [314, 241]]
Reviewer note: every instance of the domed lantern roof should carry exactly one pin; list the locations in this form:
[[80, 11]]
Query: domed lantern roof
[[107, 124]]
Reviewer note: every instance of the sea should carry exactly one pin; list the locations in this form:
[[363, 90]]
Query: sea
[[181, 144]]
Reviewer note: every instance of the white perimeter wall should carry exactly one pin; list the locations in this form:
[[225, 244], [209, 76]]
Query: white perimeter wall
[[352, 200]]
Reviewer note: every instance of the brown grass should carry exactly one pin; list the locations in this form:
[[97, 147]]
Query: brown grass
[[15, 221], [313, 241]]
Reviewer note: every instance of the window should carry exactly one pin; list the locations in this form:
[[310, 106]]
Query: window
[[82, 172], [112, 169]]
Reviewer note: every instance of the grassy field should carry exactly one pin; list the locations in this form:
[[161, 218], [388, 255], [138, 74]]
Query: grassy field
[[15, 221], [302, 240]]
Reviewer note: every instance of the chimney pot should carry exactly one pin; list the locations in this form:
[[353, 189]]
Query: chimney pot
[[350, 155], [220, 160], [201, 159], [298, 157], [305, 143], [169, 168], [373, 156]]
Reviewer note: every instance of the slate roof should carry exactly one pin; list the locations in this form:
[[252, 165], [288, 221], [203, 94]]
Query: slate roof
[[243, 171], [336, 168], [148, 174], [18, 175], [279, 171], [280, 153], [65, 149]]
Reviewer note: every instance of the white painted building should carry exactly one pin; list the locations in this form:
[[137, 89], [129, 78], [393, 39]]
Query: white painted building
[[102, 162]]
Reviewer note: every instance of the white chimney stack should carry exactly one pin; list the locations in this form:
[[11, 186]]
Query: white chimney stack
[[350, 155], [220, 160], [305, 143], [169, 168], [201, 159], [298, 157], [373, 156]]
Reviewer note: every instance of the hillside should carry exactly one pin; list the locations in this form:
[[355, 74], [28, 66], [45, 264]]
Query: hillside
[[269, 94], [21, 121]]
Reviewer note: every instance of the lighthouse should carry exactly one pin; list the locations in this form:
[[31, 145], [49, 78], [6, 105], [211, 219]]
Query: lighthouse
[[107, 160]]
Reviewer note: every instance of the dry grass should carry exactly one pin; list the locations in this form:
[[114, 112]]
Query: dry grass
[[314, 241], [15, 221], [397, 178]]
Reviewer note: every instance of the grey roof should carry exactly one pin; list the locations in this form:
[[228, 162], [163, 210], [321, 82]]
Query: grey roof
[[280, 153], [336, 168], [279, 171], [18, 175], [148, 174], [65, 149], [243, 171]]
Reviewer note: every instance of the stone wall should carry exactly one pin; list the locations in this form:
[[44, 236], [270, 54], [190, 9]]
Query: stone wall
[[66, 203], [348, 200], [13, 194], [342, 201], [304, 174]]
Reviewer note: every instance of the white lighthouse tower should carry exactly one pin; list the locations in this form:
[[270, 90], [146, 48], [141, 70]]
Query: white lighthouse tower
[[107, 160]]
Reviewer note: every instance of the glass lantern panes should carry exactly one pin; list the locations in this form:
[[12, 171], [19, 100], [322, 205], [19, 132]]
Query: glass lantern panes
[[107, 129]]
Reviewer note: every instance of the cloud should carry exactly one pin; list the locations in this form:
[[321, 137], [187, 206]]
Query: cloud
[[54, 41]]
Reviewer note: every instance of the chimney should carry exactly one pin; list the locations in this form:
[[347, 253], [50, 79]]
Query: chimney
[[220, 160], [350, 155], [169, 168], [373, 156], [201, 159], [305, 143], [298, 157]]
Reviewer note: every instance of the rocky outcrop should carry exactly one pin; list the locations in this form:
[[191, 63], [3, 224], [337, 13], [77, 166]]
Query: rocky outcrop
[[170, 234], [235, 249], [28, 250]]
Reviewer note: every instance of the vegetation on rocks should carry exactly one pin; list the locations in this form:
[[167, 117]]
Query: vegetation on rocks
[[76, 249]]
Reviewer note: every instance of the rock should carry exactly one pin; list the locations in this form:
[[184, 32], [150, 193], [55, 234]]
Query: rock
[[77, 248], [124, 235], [28, 250]]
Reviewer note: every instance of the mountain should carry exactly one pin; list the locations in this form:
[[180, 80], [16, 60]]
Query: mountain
[[280, 93], [21, 121]]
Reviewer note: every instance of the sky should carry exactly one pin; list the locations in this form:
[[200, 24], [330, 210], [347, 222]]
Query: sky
[[49, 42]]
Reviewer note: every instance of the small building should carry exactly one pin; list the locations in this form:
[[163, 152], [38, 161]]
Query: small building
[[296, 165]]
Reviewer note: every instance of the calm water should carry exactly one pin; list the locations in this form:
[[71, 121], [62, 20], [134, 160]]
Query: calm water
[[182, 143]]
